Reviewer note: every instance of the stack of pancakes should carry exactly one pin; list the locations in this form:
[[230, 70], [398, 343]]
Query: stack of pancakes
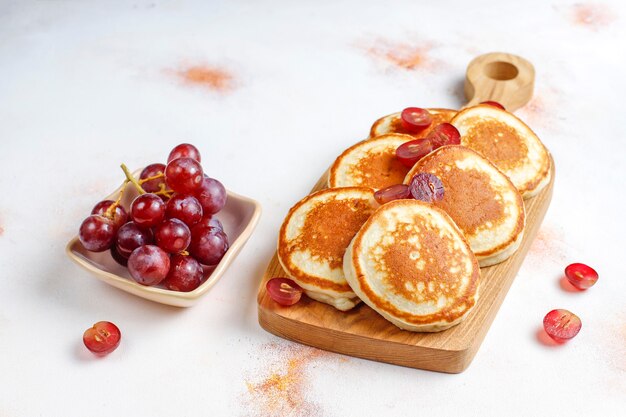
[[416, 263]]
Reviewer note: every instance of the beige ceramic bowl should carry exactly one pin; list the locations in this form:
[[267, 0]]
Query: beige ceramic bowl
[[239, 217]]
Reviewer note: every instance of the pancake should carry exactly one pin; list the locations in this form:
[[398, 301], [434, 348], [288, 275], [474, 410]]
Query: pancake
[[371, 163], [314, 237], [481, 200], [411, 264], [393, 123], [507, 142]]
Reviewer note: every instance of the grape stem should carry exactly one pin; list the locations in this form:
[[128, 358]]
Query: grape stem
[[154, 177], [132, 179], [164, 191], [109, 213]]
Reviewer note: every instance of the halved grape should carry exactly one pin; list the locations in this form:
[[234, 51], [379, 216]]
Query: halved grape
[[426, 187], [393, 192], [172, 236], [147, 210], [415, 119], [119, 215], [444, 134], [494, 104], [412, 151], [102, 338], [284, 291], [184, 150], [184, 175], [97, 233], [148, 265], [581, 276], [185, 274], [212, 195], [561, 325]]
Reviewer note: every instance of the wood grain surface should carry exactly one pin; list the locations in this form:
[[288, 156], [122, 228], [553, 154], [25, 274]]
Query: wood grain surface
[[506, 78], [361, 332]]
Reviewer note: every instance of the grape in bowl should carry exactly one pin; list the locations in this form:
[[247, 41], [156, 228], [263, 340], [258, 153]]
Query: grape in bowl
[[239, 217]]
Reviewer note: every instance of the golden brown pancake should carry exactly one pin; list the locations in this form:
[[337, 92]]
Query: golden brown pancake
[[479, 198], [412, 264], [371, 163], [507, 142], [314, 237], [392, 123]]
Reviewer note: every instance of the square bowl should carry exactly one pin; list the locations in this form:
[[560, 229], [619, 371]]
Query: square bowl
[[239, 217]]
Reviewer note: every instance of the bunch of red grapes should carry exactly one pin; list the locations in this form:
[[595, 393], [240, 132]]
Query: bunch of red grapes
[[169, 231]]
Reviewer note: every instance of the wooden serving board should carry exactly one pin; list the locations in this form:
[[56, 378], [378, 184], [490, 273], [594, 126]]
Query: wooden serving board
[[363, 333]]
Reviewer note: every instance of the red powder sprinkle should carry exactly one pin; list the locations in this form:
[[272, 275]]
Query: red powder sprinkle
[[1, 231], [281, 388], [592, 16], [607, 333], [535, 105], [534, 113], [402, 55], [619, 345], [548, 244], [538, 114], [611, 335], [213, 78]]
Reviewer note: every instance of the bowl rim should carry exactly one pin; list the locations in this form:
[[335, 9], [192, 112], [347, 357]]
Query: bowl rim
[[131, 286]]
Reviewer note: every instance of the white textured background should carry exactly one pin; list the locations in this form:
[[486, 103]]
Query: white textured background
[[87, 85]]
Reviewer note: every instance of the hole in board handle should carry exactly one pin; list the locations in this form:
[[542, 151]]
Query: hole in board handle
[[501, 71]]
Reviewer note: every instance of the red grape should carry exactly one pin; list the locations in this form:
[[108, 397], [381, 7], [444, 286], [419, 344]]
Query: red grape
[[119, 214], [444, 134], [208, 245], [494, 104], [102, 338], [581, 276], [118, 257], [561, 325], [185, 274], [152, 186], [184, 175], [211, 195], [184, 150], [426, 187], [412, 151], [97, 233], [130, 237], [172, 236], [148, 265], [186, 208], [147, 210], [393, 192], [208, 222], [284, 291], [415, 119]]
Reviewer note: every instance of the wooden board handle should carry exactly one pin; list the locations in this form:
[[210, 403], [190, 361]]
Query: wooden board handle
[[505, 78]]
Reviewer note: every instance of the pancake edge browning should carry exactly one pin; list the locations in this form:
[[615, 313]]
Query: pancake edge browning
[[326, 291], [335, 178], [444, 319], [505, 247], [542, 176]]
